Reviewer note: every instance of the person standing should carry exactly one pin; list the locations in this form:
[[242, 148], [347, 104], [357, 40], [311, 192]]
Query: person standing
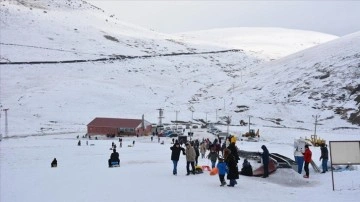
[[233, 171], [221, 166], [213, 156], [324, 156], [265, 159], [307, 159], [190, 158], [197, 152], [202, 149], [175, 155], [234, 151], [299, 146]]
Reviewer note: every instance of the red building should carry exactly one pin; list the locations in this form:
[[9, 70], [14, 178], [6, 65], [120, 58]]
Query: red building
[[118, 127]]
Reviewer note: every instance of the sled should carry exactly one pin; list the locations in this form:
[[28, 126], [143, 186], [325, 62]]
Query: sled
[[214, 171], [114, 164], [316, 168], [260, 171], [206, 168], [198, 170]]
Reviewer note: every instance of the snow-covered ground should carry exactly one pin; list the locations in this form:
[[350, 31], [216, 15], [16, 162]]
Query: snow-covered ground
[[146, 172]]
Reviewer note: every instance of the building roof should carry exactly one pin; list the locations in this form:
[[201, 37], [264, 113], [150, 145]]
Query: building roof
[[115, 122]]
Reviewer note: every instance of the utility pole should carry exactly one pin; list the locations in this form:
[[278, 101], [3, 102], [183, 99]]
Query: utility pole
[[6, 122], [206, 113], [316, 120], [224, 105], [216, 111], [0, 125], [191, 108], [249, 124], [228, 121], [161, 113], [176, 118]]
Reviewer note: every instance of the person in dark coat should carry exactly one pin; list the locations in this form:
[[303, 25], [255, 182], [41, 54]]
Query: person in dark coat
[[265, 159], [114, 157], [234, 151], [175, 155], [324, 156], [196, 147], [246, 168], [54, 163], [233, 171], [213, 156]]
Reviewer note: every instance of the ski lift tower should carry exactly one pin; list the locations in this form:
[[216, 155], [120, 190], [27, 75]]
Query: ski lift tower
[[161, 116]]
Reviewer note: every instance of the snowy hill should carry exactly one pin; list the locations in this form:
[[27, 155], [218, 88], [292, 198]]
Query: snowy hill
[[325, 77], [206, 84], [65, 30], [266, 43]]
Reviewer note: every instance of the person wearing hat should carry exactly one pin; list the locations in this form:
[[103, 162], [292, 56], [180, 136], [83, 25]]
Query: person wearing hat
[[324, 156], [175, 155], [246, 168], [265, 156], [190, 158], [233, 171]]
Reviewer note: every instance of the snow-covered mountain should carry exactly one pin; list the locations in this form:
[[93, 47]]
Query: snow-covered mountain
[[205, 80], [265, 42], [67, 30], [325, 77]]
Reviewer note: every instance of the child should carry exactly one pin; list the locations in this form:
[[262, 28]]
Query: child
[[221, 166], [54, 163], [212, 156]]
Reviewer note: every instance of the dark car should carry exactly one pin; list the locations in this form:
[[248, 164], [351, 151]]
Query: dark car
[[172, 135]]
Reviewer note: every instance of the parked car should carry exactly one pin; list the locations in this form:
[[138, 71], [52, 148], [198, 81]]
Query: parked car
[[223, 134], [173, 135], [182, 139]]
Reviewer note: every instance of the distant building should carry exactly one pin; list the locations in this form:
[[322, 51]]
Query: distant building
[[118, 127]]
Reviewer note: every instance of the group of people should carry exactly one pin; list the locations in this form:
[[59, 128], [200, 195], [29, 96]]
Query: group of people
[[227, 164], [303, 157]]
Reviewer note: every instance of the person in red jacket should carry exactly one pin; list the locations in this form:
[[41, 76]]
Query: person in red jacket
[[307, 159]]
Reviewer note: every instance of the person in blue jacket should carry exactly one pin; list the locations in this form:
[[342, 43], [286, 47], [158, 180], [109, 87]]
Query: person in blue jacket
[[221, 166]]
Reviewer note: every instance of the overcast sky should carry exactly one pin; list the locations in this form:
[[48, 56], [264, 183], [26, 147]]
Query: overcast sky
[[332, 17]]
